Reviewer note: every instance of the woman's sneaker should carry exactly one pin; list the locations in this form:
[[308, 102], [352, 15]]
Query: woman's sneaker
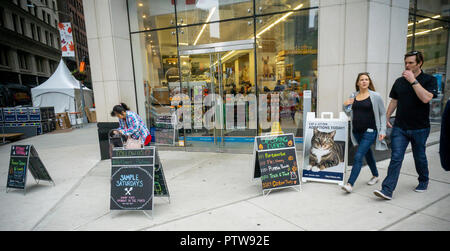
[[373, 181], [348, 188]]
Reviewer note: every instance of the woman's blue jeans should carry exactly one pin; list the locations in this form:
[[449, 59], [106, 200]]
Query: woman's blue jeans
[[365, 141]]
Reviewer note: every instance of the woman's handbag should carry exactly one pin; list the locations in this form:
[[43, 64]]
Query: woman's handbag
[[133, 143]]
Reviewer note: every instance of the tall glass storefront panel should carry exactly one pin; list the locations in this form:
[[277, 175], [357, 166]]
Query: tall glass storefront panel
[[205, 11], [226, 73], [274, 6], [151, 14], [430, 35], [287, 52]]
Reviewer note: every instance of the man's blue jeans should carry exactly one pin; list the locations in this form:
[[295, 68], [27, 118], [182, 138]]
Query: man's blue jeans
[[365, 140], [399, 141]]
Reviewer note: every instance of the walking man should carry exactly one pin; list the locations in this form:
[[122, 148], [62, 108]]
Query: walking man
[[410, 96]]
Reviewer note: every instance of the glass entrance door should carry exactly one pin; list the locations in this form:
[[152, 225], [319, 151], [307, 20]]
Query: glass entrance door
[[217, 80]]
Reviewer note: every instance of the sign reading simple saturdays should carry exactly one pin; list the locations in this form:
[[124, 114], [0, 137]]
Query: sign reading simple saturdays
[[136, 178], [275, 162], [23, 158]]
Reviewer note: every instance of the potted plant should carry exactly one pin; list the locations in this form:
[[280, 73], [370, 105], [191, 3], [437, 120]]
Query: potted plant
[[80, 76]]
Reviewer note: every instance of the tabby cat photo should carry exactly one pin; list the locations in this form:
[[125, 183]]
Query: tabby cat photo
[[325, 152]]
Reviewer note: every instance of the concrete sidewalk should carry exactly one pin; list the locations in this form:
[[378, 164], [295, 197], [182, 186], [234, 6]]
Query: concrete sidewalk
[[212, 191]]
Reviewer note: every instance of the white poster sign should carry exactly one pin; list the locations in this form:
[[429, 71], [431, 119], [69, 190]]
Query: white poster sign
[[325, 148], [67, 44]]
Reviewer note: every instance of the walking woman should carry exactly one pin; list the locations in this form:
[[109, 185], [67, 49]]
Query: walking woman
[[368, 126], [131, 125]]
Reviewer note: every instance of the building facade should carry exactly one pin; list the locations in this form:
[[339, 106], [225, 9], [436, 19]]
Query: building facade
[[241, 65], [29, 41], [72, 11]]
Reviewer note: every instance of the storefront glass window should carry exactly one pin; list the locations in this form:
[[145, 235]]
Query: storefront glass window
[[274, 6], [155, 61], [204, 11], [287, 52], [220, 67], [430, 36], [151, 14]]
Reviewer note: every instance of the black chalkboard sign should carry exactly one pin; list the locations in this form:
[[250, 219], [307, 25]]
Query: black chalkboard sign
[[137, 176], [17, 173], [165, 130], [161, 189], [37, 168], [23, 158], [275, 161], [132, 188]]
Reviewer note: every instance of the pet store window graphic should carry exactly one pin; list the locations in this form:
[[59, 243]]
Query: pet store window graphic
[[67, 45]]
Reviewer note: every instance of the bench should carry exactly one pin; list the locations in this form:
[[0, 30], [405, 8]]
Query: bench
[[11, 136]]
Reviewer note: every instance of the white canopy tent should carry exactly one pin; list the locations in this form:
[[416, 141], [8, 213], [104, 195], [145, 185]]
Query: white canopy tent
[[61, 91]]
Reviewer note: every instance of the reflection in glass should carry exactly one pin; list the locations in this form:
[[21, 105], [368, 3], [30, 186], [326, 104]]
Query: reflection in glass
[[203, 11], [274, 6], [151, 14], [287, 63], [155, 61], [216, 32], [206, 69]]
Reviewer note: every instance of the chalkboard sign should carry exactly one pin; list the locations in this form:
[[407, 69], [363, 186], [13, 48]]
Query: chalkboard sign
[[137, 177], [23, 158], [165, 130], [37, 168], [275, 162], [275, 142], [17, 173], [161, 189], [132, 188], [126, 153]]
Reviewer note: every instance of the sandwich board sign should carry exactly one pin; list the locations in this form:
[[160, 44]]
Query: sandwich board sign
[[22, 159], [133, 179], [165, 129], [325, 148], [275, 162]]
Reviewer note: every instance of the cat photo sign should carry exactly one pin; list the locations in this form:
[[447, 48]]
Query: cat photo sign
[[325, 148]]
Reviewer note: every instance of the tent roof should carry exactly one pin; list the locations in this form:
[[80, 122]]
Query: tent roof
[[62, 78]]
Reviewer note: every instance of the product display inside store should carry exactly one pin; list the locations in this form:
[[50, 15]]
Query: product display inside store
[[222, 49]]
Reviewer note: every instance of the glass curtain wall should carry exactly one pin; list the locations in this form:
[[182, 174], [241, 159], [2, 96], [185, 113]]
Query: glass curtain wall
[[238, 64], [428, 32]]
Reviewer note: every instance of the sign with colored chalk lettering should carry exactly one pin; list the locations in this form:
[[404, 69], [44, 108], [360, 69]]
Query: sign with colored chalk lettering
[[17, 173], [161, 189], [132, 188], [165, 132], [136, 178], [275, 162], [23, 158], [132, 178]]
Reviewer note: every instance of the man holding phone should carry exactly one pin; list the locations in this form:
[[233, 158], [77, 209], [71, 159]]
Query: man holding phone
[[410, 96]]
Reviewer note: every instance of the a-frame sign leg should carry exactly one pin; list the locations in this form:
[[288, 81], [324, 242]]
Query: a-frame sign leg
[[148, 215]]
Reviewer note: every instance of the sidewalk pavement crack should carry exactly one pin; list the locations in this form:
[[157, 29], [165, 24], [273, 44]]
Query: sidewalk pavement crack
[[196, 213], [276, 215], [414, 213], [63, 198]]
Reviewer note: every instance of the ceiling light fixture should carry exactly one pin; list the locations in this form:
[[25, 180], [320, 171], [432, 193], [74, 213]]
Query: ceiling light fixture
[[204, 26]]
